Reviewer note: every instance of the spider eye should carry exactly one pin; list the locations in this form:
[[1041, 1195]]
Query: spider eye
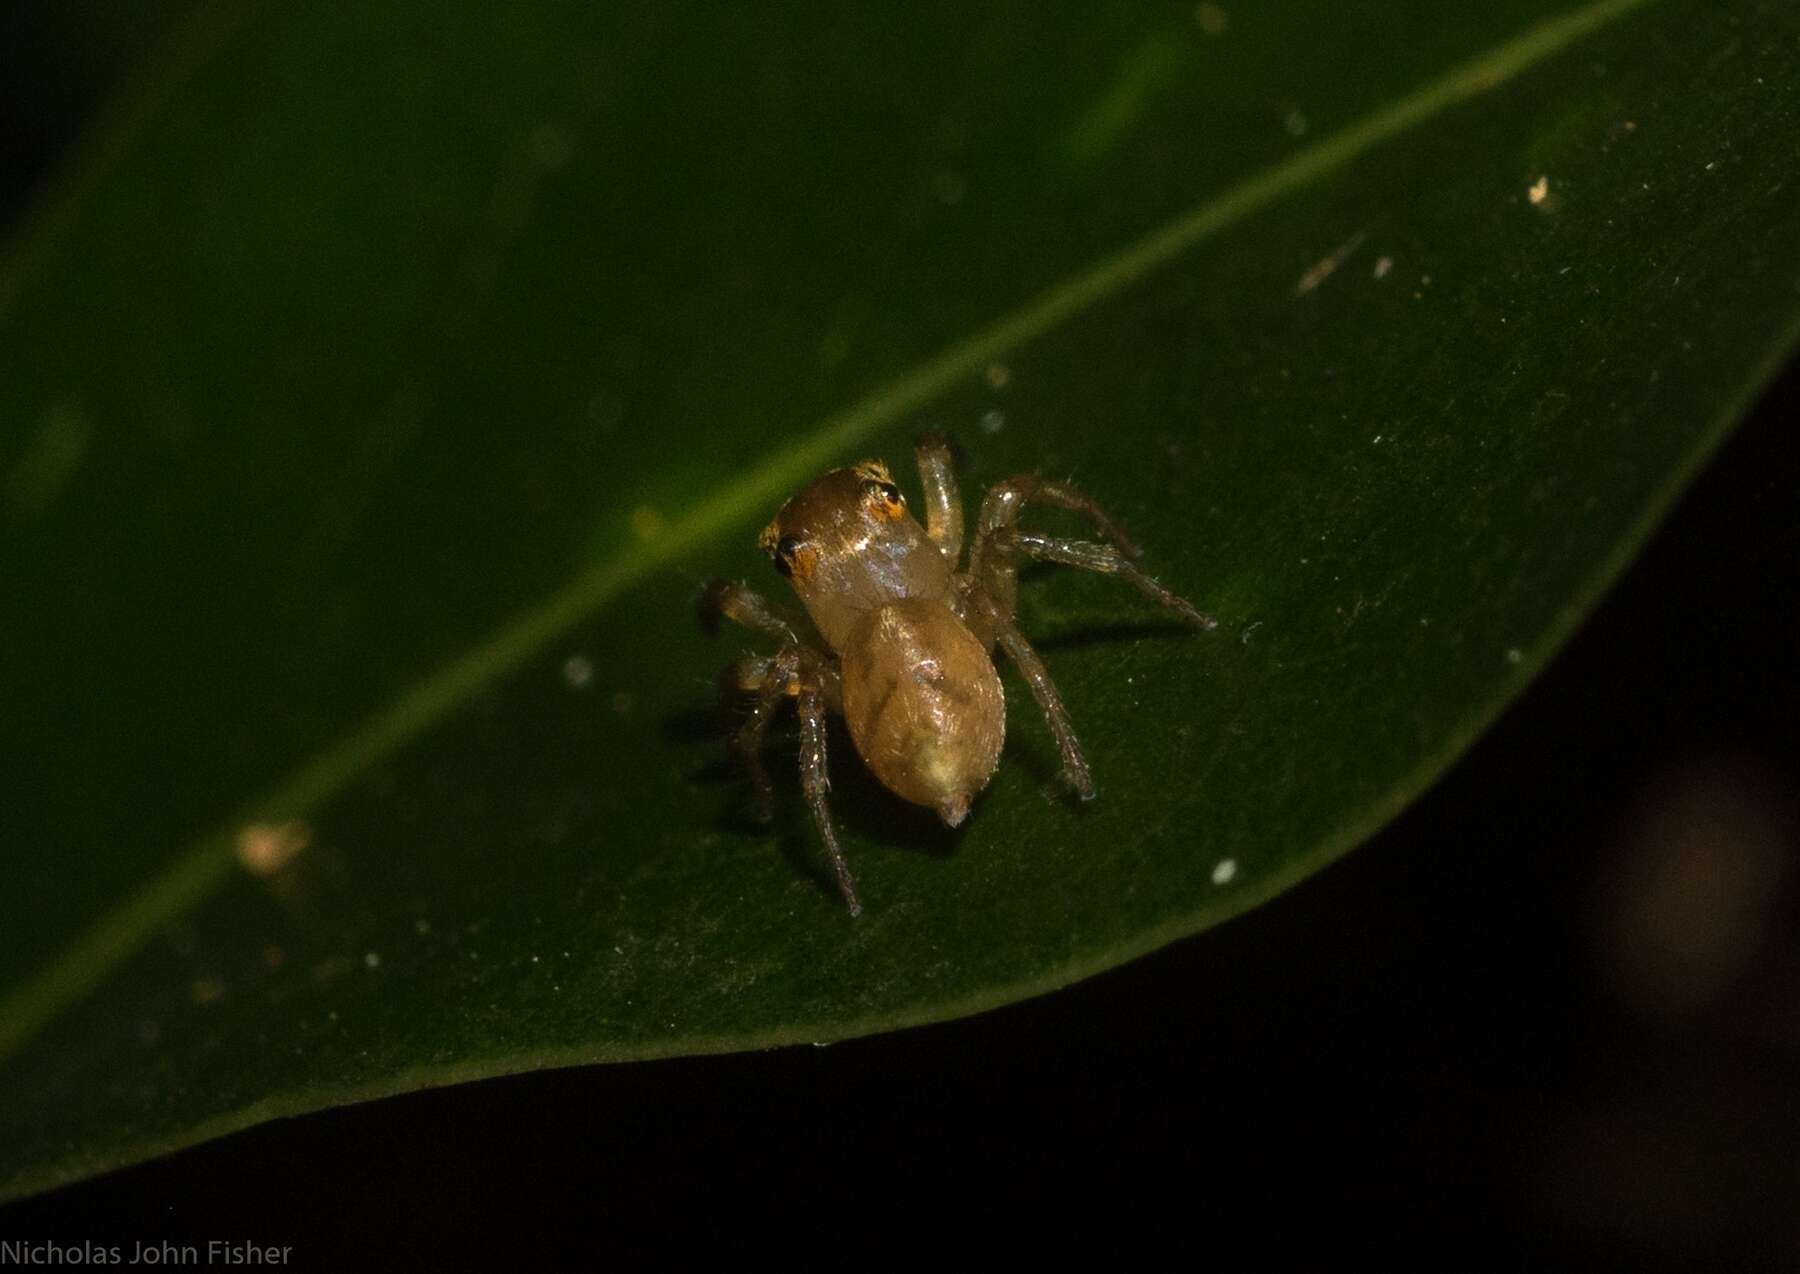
[[886, 492], [784, 554]]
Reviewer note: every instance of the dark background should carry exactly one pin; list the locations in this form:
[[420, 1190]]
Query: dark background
[[1551, 1016]]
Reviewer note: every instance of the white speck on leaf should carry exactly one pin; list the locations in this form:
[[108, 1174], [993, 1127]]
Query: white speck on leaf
[[1325, 268]]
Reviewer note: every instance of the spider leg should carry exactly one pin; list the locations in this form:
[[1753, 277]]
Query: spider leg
[[1105, 559], [993, 560], [815, 780], [1043, 689], [943, 499], [741, 604], [746, 674], [771, 678], [989, 589], [1006, 500], [993, 565]]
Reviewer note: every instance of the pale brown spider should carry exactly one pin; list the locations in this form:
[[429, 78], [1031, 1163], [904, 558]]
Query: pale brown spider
[[899, 641]]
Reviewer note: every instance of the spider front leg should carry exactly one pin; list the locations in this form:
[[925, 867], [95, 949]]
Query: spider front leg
[[993, 561], [741, 604], [943, 501], [1010, 542], [803, 672], [1006, 500]]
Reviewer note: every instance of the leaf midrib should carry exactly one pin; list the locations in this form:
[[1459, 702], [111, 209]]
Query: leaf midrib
[[202, 864]]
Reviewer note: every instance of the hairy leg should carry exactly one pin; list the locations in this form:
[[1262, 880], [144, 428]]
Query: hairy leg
[[1104, 558], [1006, 500], [816, 781], [771, 679], [741, 604], [994, 557], [815, 686], [996, 569], [1043, 689], [943, 500]]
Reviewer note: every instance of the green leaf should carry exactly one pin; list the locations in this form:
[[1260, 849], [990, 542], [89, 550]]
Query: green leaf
[[380, 385]]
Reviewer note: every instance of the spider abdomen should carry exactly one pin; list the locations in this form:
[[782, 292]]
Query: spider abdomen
[[924, 704]]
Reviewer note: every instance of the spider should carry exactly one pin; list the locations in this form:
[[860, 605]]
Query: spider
[[899, 641]]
